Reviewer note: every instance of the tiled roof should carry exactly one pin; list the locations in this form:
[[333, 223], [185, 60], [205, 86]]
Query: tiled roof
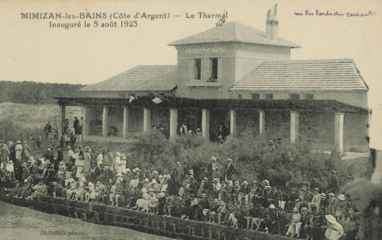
[[336, 74], [140, 78], [233, 32]]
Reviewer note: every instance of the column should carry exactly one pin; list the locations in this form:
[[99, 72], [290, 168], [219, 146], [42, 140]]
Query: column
[[125, 121], [104, 122], [294, 126], [62, 124], [173, 122], [146, 119], [232, 123], [205, 123], [339, 131], [261, 122]]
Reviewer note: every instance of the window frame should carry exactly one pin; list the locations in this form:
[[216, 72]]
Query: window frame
[[197, 69]]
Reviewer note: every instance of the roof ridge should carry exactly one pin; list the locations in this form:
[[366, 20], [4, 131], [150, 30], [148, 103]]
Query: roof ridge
[[307, 60], [241, 33]]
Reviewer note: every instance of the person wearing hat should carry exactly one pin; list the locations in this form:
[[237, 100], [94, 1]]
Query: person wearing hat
[[296, 217], [194, 185], [143, 203], [14, 190], [146, 183], [154, 185], [161, 203], [214, 168], [305, 223], [333, 203], [100, 192], [302, 195], [10, 170], [324, 203], [243, 192], [334, 185], [19, 150], [271, 146], [26, 150], [271, 219], [236, 192], [122, 164], [316, 201], [190, 207], [40, 189], [153, 202], [4, 155], [229, 171], [178, 175], [72, 187], [214, 206], [99, 158], [87, 160], [117, 162], [115, 193], [25, 173], [198, 132], [216, 186], [108, 159], [204, 206], [341, 213], [335, 230]]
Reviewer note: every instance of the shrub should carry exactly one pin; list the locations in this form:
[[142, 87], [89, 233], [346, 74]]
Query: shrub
[[290, 164]]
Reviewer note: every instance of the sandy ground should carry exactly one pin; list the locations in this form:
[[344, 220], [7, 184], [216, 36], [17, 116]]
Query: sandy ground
[[37, 115]]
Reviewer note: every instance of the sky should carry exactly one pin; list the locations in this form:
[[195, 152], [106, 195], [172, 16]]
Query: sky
[[31, 50]]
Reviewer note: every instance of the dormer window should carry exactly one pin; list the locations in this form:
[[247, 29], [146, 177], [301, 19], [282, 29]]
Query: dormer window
[[198, 68]]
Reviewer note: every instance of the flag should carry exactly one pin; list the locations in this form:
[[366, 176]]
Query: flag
[[157, 100]]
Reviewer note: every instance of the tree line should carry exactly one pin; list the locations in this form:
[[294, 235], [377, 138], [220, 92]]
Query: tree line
[[34, 92]]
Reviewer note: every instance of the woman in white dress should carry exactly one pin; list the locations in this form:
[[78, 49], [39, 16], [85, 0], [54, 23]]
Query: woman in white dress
[[117, 162], [335, 230], [122, 164], [79, 162]]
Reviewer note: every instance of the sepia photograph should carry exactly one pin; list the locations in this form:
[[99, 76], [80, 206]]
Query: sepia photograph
[[196, 120]]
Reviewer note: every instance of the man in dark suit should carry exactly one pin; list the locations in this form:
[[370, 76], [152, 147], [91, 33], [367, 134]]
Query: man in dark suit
[[229, 171]]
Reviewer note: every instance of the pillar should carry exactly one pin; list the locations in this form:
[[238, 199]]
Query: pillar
[[173, 122], [294, 126], [125, 121], [376, 156], [62, 122], [205, 123], [232, 123], [104, 122], [261, 122], [146, 119], [85, 121], [339, 131]]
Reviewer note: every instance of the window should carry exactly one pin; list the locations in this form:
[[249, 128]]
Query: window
[[309, 96], [240, 96], [255, 96], [214, 68], [269, 96], [198, 68], [295, 96]]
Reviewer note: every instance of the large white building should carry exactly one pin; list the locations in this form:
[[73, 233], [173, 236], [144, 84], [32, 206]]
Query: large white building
[[236, 76]]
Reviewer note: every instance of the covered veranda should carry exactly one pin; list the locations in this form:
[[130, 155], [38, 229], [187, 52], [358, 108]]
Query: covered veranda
[[170, 107]]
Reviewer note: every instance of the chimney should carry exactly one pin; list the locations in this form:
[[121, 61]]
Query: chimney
[[272, 27]]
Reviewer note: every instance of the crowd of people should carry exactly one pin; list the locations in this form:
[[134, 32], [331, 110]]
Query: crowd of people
[[103, 177]]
